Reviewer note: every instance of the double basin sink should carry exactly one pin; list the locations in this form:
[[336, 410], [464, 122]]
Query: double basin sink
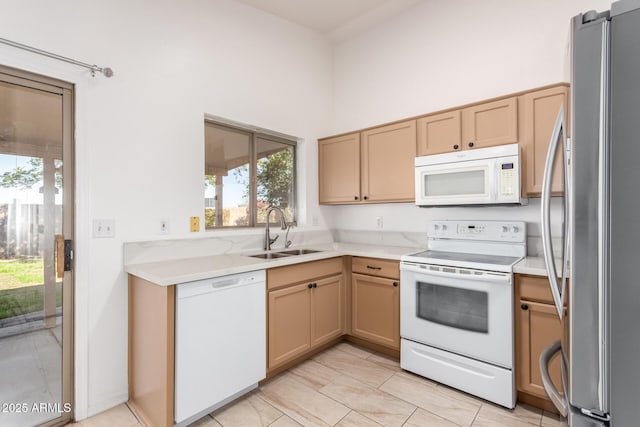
[[282, 254]]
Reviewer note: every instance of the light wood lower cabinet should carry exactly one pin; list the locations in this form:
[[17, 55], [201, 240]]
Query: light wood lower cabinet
[[289, 323], [537, 326], [375, 311], [326, 310], [375, 301], [305, 309]]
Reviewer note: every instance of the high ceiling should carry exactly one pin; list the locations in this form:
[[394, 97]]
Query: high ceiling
[[338, 19]]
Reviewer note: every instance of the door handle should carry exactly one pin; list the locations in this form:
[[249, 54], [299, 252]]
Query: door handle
[[558, 400], [64, 255], [59, 256], [557, 136]]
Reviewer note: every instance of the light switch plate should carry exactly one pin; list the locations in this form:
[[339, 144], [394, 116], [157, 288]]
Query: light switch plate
[[104, 228]]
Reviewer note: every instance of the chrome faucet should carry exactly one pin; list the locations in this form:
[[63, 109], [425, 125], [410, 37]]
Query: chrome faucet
[[268, 241]]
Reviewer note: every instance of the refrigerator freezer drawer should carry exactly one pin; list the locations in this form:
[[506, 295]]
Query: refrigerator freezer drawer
[[481, 379]]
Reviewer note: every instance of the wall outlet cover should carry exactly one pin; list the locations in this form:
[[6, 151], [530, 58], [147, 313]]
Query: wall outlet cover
[[164, 226], [194, 224]]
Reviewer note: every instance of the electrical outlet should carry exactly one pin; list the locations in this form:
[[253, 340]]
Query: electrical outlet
[[378, 222], [194, 224], [104, 228], [164, 226]]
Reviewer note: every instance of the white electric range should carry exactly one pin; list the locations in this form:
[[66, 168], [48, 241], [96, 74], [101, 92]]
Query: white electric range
[[456, 299]]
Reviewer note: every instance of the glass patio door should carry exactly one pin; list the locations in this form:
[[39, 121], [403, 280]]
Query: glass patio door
[[36, 217]]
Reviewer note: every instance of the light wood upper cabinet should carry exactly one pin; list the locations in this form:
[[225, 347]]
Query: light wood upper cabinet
[[388, 163], [327, 312], [491, 123], [478, 126], [339, 169], [539, 112], [374, 166], [439, 133]]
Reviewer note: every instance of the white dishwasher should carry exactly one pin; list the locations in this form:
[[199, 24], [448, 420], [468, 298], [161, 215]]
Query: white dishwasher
[[220, 348]]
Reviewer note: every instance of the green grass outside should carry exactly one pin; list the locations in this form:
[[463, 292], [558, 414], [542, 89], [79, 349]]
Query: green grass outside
[[14, 302], [21, 289], [17, 273]]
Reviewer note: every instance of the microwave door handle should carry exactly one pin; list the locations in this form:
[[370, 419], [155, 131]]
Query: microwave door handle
[[545, 357], [545, 208]]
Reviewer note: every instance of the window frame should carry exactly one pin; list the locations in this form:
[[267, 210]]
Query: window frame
[[255, 134]]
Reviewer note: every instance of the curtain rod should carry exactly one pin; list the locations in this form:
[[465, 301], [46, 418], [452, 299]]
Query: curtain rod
[[108, 72]]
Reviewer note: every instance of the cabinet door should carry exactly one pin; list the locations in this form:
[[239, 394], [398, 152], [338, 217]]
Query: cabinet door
[[439, 133], [388, 163], [375, 309], [492, 123], [539, 326], [326, 310], [540, 111], [289, 323], [339, 169]]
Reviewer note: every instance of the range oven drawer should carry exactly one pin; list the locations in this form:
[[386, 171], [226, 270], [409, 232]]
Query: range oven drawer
[[480, 379]]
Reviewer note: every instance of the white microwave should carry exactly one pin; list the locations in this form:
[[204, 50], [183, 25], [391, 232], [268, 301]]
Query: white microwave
[[484, 176]]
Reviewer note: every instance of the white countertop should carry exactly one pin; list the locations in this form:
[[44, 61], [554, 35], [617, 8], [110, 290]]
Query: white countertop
[[168, 273], [535, 266]]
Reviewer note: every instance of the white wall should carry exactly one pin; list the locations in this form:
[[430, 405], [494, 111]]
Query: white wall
[[141, 136], [444, 53], [440, 54]]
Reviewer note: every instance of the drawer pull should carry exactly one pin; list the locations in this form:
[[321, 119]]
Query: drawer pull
[[371, 267], [395, 284], [524, 306]]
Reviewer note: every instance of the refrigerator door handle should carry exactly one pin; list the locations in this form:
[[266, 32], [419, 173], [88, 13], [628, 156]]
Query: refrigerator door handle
[[558, 399], [545, 203]]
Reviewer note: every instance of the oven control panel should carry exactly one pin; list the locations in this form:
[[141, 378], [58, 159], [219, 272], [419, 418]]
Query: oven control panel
[[497, 231]]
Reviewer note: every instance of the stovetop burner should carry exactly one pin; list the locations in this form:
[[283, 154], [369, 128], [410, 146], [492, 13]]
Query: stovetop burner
[[483, 245], [434, 256]]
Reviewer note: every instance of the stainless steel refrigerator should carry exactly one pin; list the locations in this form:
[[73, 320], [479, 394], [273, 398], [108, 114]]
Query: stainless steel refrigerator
[[600, 303]]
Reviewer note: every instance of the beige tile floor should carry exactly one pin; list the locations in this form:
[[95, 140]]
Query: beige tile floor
[[348, 386]]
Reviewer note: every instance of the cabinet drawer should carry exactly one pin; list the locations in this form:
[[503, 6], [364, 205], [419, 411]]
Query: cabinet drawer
[[534, 288], [376, 267], [290, 274]]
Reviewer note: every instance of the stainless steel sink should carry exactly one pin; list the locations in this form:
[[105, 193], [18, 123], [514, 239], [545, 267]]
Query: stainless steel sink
[[282, 254], [299, 251], [270, 255]]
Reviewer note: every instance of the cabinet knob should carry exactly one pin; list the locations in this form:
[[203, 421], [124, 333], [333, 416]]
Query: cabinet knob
[[310, 285], [524, 306], [315, 285], [366, 197], [355, 198], [471, 144], [456, 146], [395, 284]]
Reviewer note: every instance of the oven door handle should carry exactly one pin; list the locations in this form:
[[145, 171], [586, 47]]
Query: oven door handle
[[457, 273]]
